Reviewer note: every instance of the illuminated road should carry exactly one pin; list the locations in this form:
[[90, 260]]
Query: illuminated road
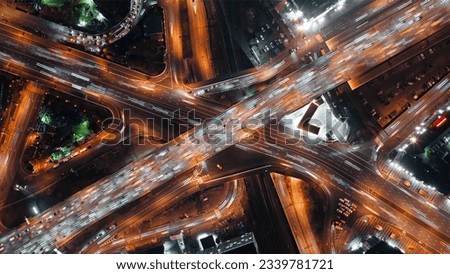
[[402, 128], [57, 32], [295, 208], [185, 152], [359, 180], [24, 111], [99, 80], [200, 39], [189, 226]]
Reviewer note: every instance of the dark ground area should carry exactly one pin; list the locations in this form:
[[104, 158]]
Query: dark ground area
[[242, 17], [143, 48], [68, 14], [9, 85], [270, 226], [429, 157], [65, 113], [383, 248]]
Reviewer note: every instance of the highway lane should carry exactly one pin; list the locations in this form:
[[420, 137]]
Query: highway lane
[[200, 42], [281, 99], [404, 126], [373, 14], [43, 174], [174, 42], [162, 200], [116, 110], [265, 74], [25, 112], [172, 194], [92, 81], [367, 225], [84, 59], [340, 185], [286, 59], [295, 208], [116, 70], [229, 83], [373, 187], [189, 226], [173, 74]]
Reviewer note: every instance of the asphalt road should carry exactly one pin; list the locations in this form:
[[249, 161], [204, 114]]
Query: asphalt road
[[389, 37]]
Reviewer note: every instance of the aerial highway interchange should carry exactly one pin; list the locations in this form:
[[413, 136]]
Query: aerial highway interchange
[[357, 39]]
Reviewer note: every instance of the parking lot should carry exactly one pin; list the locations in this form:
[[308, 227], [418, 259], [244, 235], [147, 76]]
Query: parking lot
[[390, 94], [267, 43], [344, 209]]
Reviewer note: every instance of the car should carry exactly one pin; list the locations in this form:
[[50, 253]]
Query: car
[[406, 183], [377, 117], [422, 192], [392, 114]]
